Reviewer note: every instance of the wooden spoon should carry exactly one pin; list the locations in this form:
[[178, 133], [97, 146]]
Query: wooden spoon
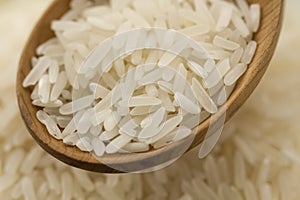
[[266, 37]]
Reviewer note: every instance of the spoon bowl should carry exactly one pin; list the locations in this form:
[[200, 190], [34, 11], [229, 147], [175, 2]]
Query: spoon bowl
[[266, 37]]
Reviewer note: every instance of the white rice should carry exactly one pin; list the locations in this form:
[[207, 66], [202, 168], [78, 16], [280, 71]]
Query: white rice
[[58, 86], [166, 128], [6, 181], [28, 189], [14, 161], [50, 124], [234, 74], [167, 103], [255, 16], [98, 146], [67, 185], [118, 143], [84, 122], [127, 127], [150, 127], [71, 139], [186, 104], [249, 52], [84, 180], [63, 121], [203, 98], [224, 18], [52, 180], [236, 56], [224, 94], [35, 75], [111, 121], [224, 43], [53, 73], [44, 89], [213, 79], [143, 101], [53, 104], [257, 123], [196, 30], [76, 105], [108, 135], [136, 147], [85, 144], [98, 90]]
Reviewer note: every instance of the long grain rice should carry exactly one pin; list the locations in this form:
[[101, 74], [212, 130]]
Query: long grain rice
[[28, 189], [255, 124]]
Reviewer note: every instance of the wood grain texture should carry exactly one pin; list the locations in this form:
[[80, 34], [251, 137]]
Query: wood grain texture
[[267, 37]]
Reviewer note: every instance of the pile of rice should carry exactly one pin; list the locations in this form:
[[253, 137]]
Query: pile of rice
[[257, 157], [121, 78]]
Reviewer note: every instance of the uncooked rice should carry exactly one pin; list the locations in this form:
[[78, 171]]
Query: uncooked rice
[[263, 136], [114, 59]]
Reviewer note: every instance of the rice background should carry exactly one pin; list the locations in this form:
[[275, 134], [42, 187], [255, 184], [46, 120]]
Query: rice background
[[258, 156]]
